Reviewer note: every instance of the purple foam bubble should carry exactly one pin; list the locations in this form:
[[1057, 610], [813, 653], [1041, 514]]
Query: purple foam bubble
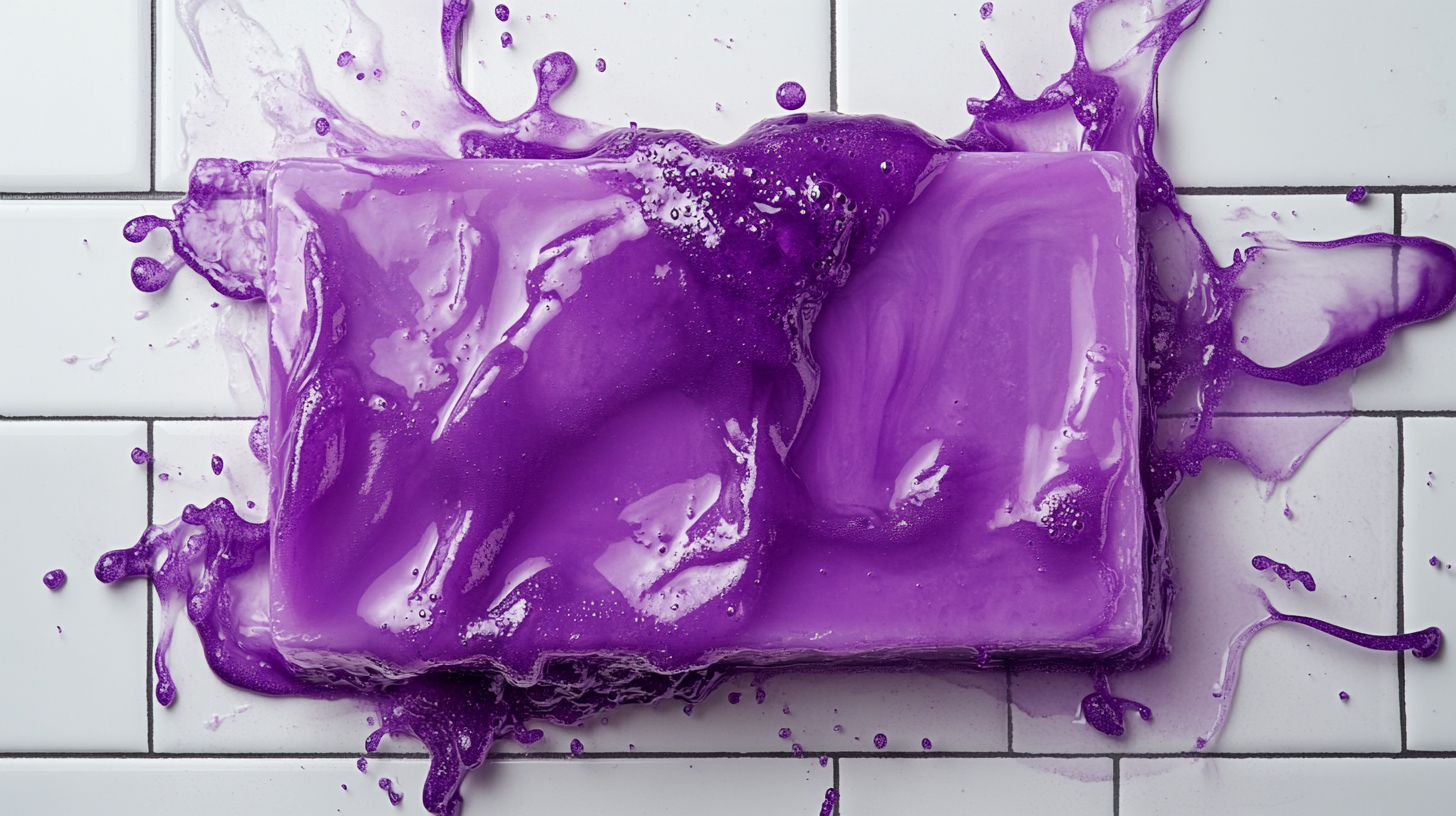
[[790, 96], [55, 579]]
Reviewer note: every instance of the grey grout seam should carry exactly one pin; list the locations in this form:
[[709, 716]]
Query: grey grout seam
[[834, 57], [1400, 572], [151, 591]]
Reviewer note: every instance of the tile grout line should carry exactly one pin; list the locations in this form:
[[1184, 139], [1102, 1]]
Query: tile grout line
[[1400, 572], [1010, 732], [839, 794], [635, 756], [152, 112], [1116, 786], [151, 489], [834, 55]]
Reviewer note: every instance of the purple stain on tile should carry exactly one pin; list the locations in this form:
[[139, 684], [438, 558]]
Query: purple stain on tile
[[577, 749], [798, 750], [140, 456], [785, 733], [831, 797], [506, 39], [601, 65], [987, 9], [881, 741], [216, 465], [321, 126], [55, 579], [1285, 572], [388, 787], [162, 477], [70, 359], [345, 59], [1356, 195], [823, 760], [925, 744], [1435, 562], [790, 96], [839, 729], [251, 504], [734, 697], [362, 763], [1344, 695], [1288, 513], [258, 439], [502, 13]]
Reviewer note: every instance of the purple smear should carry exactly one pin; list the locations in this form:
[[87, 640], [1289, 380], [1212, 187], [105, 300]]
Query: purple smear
[[1287, 573], [55, 579]]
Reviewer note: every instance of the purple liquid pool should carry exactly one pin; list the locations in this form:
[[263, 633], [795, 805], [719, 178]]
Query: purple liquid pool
[[837, 255]]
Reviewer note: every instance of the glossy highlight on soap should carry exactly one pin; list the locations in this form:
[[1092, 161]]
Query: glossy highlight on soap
[[777, 237]]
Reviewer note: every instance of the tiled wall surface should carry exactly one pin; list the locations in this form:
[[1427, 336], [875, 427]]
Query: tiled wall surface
[[1270, 110]]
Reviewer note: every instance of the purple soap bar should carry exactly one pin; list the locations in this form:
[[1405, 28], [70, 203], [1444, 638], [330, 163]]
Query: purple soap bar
[[514, 421]]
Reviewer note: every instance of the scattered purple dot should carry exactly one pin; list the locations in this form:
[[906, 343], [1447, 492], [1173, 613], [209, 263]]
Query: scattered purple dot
[[601, 65], [1435, 562], [1356, 195], [798, 750], [925, 743], [345, 59], [735, 697], [359, 75], [688, 709], [55, 579], [321, 126], [987, 9], [1344, 695], [791, 96], [577, 749], [881, 741], [506, 39], [823, 760], [502, 12], [216, 465], [388, 787], [140, 456], [363, 764], [415, 124], [759, 695], [785, 733], [163, 477]]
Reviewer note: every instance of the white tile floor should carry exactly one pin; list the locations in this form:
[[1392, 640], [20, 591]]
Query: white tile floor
[[1267, 107]]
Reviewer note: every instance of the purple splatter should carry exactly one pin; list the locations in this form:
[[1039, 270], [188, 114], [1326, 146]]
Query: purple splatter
[[785, 733], [363, 763], [1435, 562], [216, 465], [601, 65], [987, 9], [881, 741], [1104, 712], [388, 787], [506, 39], [1356, 195], [502, 12], [1287, 573], [925, 743], [345, 59], [528, 736], [798, 750], [577, 749], [321, 126], [55, 579], [831, 797], [1344, 695], [140, 456]]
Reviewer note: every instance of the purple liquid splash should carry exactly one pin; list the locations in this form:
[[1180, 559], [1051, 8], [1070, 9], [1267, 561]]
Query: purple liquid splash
[[1285, 572], [140, 456], [1192, 306], [54, 580], [388, 787]]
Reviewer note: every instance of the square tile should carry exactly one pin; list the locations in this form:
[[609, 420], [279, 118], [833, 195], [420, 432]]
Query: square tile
[[1305, 93], [95, 346], [210, 716], [1430, 589], [1341, 528], [1065, 787], [1283, 787], [1418, 370], [75, 96], [74, 677], [708, 67], [1224, 221]]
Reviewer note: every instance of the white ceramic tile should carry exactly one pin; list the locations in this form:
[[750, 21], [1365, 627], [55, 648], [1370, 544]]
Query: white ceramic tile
[[951, 787], [669, 64], [210, 716], [1430, 590], [67, 273], [1315, 92], [1418, 370], [1225, 220], [74, 673], [955, 711], [1284, 787], [246, 787], [75, 93], [1342, 529]]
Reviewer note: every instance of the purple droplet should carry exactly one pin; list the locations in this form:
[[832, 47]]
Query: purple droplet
[[415, 124], [735, 697], [216, 465], [345, 787], [839, 729], [1356, 195], [1435, 562], [162, 477], [688, 709], [987, 9], [1288, 513], [823, 760], [925, 743], [527, 737], [881, 741], [1344, 695], [502, 12], [786, 711], [321, 126], [785, 733], [831, 797], [791, 96], [506, 39], [577, 749], [345, 59], [140, 456], [149, 275], [363, 764], [359, 75], [760, 695], [798, 750], [388, 787], [55, 579], [601, 65], [252, 504]]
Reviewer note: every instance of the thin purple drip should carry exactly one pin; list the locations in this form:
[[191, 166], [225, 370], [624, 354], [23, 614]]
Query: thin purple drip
[[55, 579], [502, 13], [216, 465], [1356, 195], [1425, 643], [388, 787], [1287, 573], [791, 96], [140, 456]]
